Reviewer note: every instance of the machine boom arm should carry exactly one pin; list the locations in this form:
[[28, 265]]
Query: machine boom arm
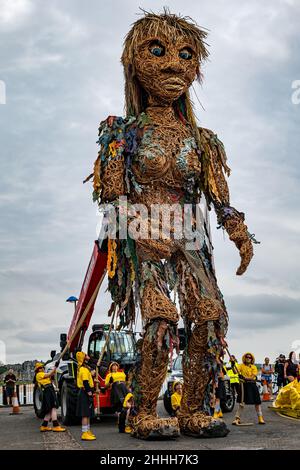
[[95, 272]]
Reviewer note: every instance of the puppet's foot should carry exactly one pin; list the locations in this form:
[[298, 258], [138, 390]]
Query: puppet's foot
[[151, 427], [201, 425]]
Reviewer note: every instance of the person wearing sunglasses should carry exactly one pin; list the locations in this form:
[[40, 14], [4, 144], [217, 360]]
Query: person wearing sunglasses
[[248, 393]]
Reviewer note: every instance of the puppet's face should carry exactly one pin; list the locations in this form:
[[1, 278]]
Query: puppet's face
[[165, 67]]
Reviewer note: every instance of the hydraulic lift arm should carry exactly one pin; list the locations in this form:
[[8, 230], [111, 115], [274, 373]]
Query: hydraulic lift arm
[[81, 319]]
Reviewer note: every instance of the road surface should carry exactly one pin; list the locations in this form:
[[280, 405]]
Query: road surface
[[22, 432]]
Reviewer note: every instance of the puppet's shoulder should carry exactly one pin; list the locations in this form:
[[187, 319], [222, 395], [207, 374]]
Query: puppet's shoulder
[[111, 140], [113, 136], [213, 149]]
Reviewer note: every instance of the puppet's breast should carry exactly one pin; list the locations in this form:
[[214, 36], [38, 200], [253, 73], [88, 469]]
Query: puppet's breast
[[168, 157]]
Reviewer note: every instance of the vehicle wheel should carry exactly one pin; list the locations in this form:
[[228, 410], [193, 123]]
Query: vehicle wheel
[[228, 404], [167, 402], [68, 402], [37, 401]]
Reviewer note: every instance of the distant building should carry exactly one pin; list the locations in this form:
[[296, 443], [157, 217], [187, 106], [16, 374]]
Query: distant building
[[24, 372]]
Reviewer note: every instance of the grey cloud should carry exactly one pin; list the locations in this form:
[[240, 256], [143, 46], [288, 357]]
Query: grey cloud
[[265, 303], [46, 336], [10, 324], [263, 311]]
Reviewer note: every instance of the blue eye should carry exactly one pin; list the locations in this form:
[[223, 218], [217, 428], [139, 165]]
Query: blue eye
[[157, 50], [185, 54]]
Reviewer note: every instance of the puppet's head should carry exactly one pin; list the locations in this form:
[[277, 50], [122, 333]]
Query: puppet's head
[[161, 58]]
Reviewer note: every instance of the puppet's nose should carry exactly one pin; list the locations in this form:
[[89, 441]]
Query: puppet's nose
[[173, 66]]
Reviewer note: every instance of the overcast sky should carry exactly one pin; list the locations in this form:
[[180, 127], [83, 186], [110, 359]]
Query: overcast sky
[[60, 62]]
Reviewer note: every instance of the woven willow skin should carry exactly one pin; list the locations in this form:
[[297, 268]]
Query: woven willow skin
[[173, 162]]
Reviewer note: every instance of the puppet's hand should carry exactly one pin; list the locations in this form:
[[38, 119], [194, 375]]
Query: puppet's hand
[[233, 222], [246, 253]]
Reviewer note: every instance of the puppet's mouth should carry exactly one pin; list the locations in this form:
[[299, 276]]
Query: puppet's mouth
[[173, 83]]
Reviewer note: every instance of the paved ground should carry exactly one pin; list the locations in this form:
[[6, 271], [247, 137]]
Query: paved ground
[[22, 432], [19, 431]]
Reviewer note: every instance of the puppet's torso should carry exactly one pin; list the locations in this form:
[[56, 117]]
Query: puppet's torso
[[167, 163], [153, 159]]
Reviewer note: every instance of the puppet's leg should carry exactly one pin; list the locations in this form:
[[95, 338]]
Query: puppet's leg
[[201, 359], [160, 318]]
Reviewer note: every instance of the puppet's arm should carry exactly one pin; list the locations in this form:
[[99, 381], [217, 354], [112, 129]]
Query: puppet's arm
[[109, 168], [216, 191]]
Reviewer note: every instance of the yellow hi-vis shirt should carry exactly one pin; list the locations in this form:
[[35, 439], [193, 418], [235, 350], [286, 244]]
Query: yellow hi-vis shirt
[[234, 376], [175, 400], [116, 376], [248, 371], [41, 380], [84, 374]]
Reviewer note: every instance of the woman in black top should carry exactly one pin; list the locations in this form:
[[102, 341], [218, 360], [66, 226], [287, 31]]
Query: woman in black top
[[291, 368]]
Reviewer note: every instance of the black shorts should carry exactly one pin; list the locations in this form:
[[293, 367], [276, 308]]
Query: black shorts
[[85, 405], [248, 393], [9, 391], [117, 395], [49, 400]]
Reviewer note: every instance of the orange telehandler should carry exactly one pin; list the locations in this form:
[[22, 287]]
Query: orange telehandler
[[105, 345]]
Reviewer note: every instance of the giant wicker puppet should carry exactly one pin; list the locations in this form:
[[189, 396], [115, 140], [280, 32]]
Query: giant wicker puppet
[[157, 155]]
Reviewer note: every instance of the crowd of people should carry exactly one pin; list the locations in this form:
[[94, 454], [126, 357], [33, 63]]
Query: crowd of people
[[287, 369], [244, 379], [243, 376], [121, 398]]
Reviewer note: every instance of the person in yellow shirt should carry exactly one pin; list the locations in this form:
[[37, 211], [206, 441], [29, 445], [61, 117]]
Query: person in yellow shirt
[[127, 413], [116, 381], [248, 391], [85, 402], [176, 396], [49, 398]]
